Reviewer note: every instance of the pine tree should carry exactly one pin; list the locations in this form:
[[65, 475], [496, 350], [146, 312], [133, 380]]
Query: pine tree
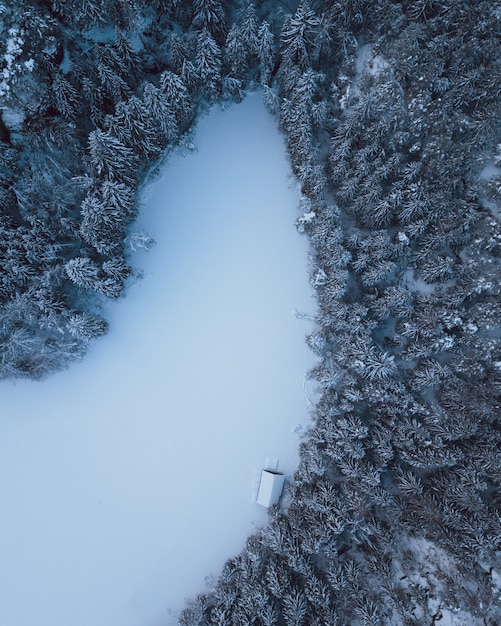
[[158, 105], [117, 268], [298, 38], [178, 53], [208, 65], [108, 72], [110, 287], [178, 96], [83, 272], [132, 126], [208, 15], [127, 56], [111, 158], [249, 30], [92, 210], [94, 97], [103, 225], [65, 97], [241, 46], [235, 53], [294, 608], [265, 52], [119, 195], [189, 75], [85, 326]]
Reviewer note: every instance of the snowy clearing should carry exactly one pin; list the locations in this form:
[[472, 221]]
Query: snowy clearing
[[129, 478]]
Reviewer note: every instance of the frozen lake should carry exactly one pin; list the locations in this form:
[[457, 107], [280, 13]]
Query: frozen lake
[[130, 477]]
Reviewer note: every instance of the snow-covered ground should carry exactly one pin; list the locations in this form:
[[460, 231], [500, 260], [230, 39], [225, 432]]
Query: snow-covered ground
[[128, 478]]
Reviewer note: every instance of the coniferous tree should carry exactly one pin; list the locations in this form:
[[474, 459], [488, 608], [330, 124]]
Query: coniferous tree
[[178, 53], [235, 53], [208, 15], [132, 125], [65, 97], [178, 96], [129, 60], [110, 157], [265, 52], [158, 106], [85, 326], [109, 75], [83, 272], [208, 65], [298, 38]]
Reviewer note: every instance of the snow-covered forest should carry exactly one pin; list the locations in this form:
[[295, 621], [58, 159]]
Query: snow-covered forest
[[390, 111]]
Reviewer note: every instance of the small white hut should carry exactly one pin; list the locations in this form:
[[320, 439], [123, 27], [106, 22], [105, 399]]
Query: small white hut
[[270, 488]]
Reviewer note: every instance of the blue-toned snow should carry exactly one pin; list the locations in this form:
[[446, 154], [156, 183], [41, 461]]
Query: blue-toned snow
[[129, 478]]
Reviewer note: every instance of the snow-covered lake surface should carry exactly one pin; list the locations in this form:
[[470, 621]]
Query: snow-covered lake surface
[[128, 478]]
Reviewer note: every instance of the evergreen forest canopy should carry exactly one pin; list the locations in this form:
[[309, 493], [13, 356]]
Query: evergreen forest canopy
[[390, 110]]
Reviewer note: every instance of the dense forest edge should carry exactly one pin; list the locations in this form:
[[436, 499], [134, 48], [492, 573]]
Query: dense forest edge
[[390, 110]]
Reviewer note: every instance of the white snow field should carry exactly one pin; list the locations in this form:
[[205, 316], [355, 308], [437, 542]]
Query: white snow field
[[129, 478]]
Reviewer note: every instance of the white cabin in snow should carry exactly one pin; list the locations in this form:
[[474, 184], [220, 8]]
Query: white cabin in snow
[[270, 488]]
